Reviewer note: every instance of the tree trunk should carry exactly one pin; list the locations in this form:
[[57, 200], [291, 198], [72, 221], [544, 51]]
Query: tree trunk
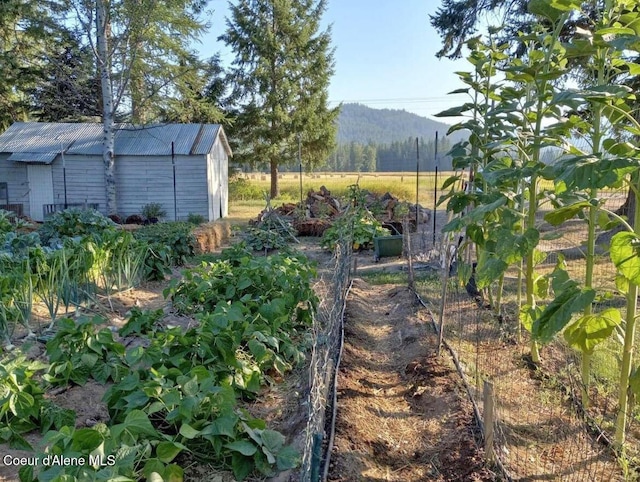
[[628, 209], [108, 139], [275, 188]]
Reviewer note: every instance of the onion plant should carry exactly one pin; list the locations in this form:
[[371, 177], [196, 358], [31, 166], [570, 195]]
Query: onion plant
[[51, 269]]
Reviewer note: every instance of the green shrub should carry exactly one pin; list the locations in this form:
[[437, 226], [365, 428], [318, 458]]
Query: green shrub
[[23, 406], [240, 189], [357, 223], [177, 236], [153, 210], [196, 219], [74, 222]]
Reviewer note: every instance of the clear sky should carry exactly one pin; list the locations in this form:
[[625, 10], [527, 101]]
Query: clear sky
[[385, 54]]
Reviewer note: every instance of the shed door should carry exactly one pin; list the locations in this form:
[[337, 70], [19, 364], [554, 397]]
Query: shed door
[[40, 189]]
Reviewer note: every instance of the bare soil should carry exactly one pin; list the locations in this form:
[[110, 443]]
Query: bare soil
[[402, 413]]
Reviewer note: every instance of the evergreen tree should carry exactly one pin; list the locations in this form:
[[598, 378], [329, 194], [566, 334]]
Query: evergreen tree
[[369, 158], [68, 90], [198, 93], [280, 83], [29, 34]]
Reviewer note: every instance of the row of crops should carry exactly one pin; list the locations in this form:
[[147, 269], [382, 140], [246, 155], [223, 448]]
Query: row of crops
[[74, 257], [521, 110], [175, 395]]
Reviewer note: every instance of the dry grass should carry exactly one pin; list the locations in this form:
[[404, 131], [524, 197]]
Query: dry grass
[[400, 416], [540, 436], [241, 211], [400, 184]]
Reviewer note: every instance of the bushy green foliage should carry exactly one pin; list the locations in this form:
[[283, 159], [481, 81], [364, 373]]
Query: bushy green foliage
[[176, 391], [74, 222], [153, 210], [5, 224], [177, 236], [80, 351], [262, 239], [196, 219], [240, 189], [272, 232], [357, 223], [23, 406]]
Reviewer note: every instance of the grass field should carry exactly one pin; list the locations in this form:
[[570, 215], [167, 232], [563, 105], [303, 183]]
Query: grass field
[[247, 195], [400, 184]]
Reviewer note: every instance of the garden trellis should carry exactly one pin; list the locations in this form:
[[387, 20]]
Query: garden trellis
[[555, 256]]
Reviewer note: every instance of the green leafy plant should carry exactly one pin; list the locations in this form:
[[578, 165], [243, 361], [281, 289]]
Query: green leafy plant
[[23, 407], [80, 351], [356, 223], [177, 236], [130, 450], [263, 239], [74, 222], [141, 322], [196, 219], [153, 210]]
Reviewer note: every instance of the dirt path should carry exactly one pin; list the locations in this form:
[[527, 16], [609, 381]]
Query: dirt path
[[402, 414]]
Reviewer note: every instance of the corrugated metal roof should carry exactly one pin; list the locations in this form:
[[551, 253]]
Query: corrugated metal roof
[[37, 157], [86, 138]]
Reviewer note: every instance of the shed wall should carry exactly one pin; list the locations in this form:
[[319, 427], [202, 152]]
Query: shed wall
[[223, 168], [149, 179], [84, 180], [15, 175], [191, 184]]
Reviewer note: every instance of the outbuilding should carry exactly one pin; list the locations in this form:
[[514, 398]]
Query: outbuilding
[[45, 167]]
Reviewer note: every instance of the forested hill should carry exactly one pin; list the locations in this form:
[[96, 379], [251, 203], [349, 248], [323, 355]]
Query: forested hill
[[364, 125]]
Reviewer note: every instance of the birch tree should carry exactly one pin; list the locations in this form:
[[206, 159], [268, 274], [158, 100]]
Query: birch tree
[[137, 45]]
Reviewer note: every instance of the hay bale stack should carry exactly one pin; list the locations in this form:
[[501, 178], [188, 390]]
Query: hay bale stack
[[211, 236]]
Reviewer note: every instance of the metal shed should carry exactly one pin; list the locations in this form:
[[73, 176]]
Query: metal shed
[[183, 167]]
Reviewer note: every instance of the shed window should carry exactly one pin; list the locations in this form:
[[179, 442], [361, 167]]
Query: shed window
[[4, 193]]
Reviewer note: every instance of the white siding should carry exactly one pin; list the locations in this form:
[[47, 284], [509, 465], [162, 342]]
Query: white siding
[[223, 169], [40, 189], [143, 180], [84, 180], [191, 185], [15, 175]]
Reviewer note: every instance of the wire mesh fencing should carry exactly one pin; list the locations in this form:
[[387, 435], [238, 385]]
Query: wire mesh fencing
[[542, 428], [325, 352]]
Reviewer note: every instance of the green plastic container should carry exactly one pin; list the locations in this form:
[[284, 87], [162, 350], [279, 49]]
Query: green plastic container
[[387, 246]]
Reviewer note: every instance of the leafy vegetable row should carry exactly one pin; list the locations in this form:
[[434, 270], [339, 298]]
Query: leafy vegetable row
[[174, 394]]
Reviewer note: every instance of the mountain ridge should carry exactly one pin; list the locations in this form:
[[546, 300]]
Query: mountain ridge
[[362, 124]]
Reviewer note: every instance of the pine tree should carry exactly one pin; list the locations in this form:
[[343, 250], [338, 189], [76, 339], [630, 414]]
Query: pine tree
[[68, 89], [281, 76], [29, 35]]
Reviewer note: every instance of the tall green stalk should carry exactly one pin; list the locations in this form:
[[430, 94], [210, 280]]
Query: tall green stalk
[[596, 138], [541, 94], [529, 277], [629, 335]]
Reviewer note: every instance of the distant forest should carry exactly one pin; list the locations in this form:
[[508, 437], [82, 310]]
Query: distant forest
[[385, 140], [392, 157]]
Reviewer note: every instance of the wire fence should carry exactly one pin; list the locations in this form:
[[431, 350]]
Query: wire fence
[[541, 429], [325, 353]]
